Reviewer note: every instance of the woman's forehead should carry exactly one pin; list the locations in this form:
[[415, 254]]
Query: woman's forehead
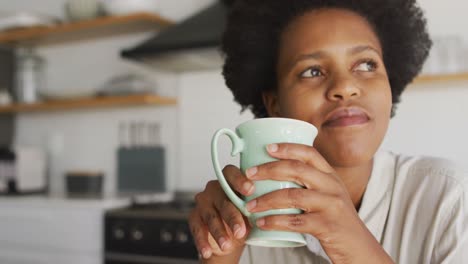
[[327, 29]]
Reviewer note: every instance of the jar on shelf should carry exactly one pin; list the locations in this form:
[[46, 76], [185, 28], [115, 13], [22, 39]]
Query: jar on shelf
[[29, 76]]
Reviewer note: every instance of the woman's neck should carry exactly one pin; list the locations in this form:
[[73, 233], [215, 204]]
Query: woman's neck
[[355, 180]]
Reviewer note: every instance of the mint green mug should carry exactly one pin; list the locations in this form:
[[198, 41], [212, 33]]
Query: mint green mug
[[250, 140]]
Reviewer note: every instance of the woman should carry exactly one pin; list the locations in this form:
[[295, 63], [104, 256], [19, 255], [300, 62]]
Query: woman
[[340, 65]]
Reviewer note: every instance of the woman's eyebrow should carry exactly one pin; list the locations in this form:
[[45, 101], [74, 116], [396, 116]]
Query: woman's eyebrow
[[314, 55], [321, 54], [362, 48]]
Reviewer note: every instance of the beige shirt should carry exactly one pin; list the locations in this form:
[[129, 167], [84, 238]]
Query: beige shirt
[[416, 207]]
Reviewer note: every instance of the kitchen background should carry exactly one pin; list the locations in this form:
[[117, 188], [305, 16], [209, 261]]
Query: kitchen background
[[431, 118]]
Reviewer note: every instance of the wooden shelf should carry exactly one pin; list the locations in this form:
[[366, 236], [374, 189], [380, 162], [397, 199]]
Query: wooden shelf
[[86, 103], [86, 29], [428, 79]]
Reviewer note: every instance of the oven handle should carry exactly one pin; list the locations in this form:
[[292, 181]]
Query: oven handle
[[116, 258]]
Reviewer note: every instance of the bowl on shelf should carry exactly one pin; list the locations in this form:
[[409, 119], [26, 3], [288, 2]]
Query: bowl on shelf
[[82, 9], [66, 94], [125, 7]]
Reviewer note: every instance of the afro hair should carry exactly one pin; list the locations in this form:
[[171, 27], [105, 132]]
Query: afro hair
[[251, 40]]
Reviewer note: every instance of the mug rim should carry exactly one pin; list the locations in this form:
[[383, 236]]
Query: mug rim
[[282, 119]]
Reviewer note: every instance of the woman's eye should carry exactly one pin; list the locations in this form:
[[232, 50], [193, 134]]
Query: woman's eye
[[366, 66], [311, 73]]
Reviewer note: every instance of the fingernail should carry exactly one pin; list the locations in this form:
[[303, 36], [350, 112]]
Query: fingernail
[[206, 253], [248, 187], [224, 243], [272, 147], [260, 222], [251, 205], [251, 172], [238, 231]]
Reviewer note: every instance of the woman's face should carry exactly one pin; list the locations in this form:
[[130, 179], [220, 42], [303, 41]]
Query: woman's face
[[331, 73]]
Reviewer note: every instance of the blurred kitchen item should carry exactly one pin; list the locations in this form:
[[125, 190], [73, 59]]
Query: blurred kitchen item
[[24, 19], [66, 94], [5, 98], [7, 69], [447, 56], [3, 186], [30, 75], [55, 145], [141, 159], [22, 170], [7, 129], [7, 169], [125, 7], [127, 84], [84, 184], [82, 9]]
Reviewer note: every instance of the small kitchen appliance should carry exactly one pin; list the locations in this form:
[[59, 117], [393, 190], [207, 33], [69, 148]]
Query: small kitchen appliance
[[22, 171], [141, 160]]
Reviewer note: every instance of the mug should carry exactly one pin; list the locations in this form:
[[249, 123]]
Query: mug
[[250, 140]]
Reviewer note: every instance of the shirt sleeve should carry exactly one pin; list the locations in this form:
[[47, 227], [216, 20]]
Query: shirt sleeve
[[452, 247]]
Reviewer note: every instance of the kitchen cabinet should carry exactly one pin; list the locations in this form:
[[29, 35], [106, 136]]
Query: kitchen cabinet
[[53, 230]]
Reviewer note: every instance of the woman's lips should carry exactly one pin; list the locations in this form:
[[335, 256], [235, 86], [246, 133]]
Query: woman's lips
[[348, 116]]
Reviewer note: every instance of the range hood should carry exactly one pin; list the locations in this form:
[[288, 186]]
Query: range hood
[[190, 45]]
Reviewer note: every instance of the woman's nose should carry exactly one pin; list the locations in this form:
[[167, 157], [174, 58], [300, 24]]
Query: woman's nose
[[343, 89]]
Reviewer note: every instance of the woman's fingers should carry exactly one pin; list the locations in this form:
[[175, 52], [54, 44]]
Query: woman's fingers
[[238, 181], [232, 217], [306, 200], [226, 208], [304, 153], [320, 210], [200, 235], [218, 227], [211, 218], [312, 223], [294, 171]]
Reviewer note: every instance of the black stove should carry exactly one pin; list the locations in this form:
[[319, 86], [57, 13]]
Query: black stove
[[150, 233]]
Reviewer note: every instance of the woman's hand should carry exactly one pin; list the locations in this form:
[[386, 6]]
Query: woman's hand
[[329, 213], [218, 227]]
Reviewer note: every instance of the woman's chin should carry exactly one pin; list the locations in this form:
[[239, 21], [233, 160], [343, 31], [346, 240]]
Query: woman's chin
[[348, 157]]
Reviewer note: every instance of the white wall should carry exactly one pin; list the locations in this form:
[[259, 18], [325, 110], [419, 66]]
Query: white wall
[[430, 119], [88, 139], [206, 105]]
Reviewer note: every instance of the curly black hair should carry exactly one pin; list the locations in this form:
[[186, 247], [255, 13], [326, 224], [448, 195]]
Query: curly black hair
[[251, 39]]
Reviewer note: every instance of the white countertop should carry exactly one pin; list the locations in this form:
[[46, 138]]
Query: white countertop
[[59, 202]]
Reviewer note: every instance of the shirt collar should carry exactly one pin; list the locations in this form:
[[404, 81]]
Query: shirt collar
[[376, 200]]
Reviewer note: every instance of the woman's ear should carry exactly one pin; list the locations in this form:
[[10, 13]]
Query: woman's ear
[[270, 100]]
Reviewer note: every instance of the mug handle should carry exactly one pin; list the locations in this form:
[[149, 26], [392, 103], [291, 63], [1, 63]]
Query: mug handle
[[237, 147]]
